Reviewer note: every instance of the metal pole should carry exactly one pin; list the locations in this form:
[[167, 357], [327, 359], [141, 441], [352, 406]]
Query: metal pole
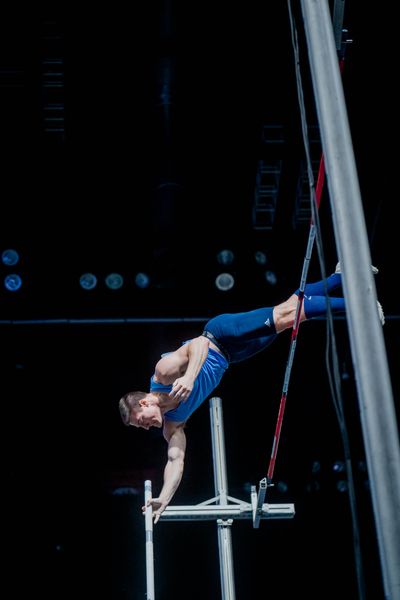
[[237, 510], [257, 509], [221, 491], [149, 542], [337, 19], [378, 417]]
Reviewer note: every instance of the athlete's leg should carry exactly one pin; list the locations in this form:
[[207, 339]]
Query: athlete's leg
[[316, 306], [320, 288], [313, 306], [261, 322], [243, 326], [244, 334], [242, 350]]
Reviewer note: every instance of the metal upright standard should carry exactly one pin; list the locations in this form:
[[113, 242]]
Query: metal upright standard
[[149, 542], [372, 376], [222, 508]]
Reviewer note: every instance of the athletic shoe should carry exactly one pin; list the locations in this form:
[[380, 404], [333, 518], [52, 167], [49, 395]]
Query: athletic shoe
[[380, 311], [374, 269]]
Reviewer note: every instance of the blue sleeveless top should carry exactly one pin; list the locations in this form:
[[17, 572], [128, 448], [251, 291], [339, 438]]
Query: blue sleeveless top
[[206, 381]]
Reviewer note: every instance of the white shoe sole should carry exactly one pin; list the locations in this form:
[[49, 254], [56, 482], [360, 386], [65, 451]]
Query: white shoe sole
[[373, 269], [380, 309], [381, 313]]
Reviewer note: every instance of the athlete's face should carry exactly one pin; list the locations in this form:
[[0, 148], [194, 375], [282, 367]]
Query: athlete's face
[[146, 416]]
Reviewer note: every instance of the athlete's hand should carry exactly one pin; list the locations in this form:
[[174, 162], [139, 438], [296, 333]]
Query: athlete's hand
[[158, 508], [182, 388]]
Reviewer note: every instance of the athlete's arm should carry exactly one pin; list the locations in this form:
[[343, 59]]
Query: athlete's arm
[[176, 438], [171, 366], [197, 351]]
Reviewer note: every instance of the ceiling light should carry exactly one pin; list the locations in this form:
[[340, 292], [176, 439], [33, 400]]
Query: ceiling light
[[225, 257], [88, 281], [260, 257], [114, 281], [339, 466], [224, 282], [142, 280], [12, 282], [342, 485], [10, 257], [271, 277]]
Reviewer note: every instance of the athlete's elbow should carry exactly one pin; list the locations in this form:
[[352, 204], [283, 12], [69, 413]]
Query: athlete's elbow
[[164, 372], [176, 455], [201, 341]]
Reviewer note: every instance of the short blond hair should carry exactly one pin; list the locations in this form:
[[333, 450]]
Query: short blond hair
[[129, 402]]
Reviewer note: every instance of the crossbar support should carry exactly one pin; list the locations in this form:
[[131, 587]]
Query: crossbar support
[[221, 491]]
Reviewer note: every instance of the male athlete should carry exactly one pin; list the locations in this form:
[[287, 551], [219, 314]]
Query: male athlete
[[183, 379]]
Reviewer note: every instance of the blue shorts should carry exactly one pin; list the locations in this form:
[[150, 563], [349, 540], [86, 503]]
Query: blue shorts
[[241, 335]]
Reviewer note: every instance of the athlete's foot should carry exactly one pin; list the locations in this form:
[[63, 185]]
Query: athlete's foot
[[380, 309], [373, 269]]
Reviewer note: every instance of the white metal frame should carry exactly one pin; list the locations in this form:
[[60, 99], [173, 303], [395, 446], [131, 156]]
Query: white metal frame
[[222, 508]]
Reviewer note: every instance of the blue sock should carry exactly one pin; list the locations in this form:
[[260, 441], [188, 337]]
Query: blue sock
[[318, 288], [316, 306]]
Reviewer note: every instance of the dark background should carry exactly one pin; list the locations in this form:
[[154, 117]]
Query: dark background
[[151, 166]]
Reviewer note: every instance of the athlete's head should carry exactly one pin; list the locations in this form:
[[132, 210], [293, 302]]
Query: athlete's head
[[140, 409]]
